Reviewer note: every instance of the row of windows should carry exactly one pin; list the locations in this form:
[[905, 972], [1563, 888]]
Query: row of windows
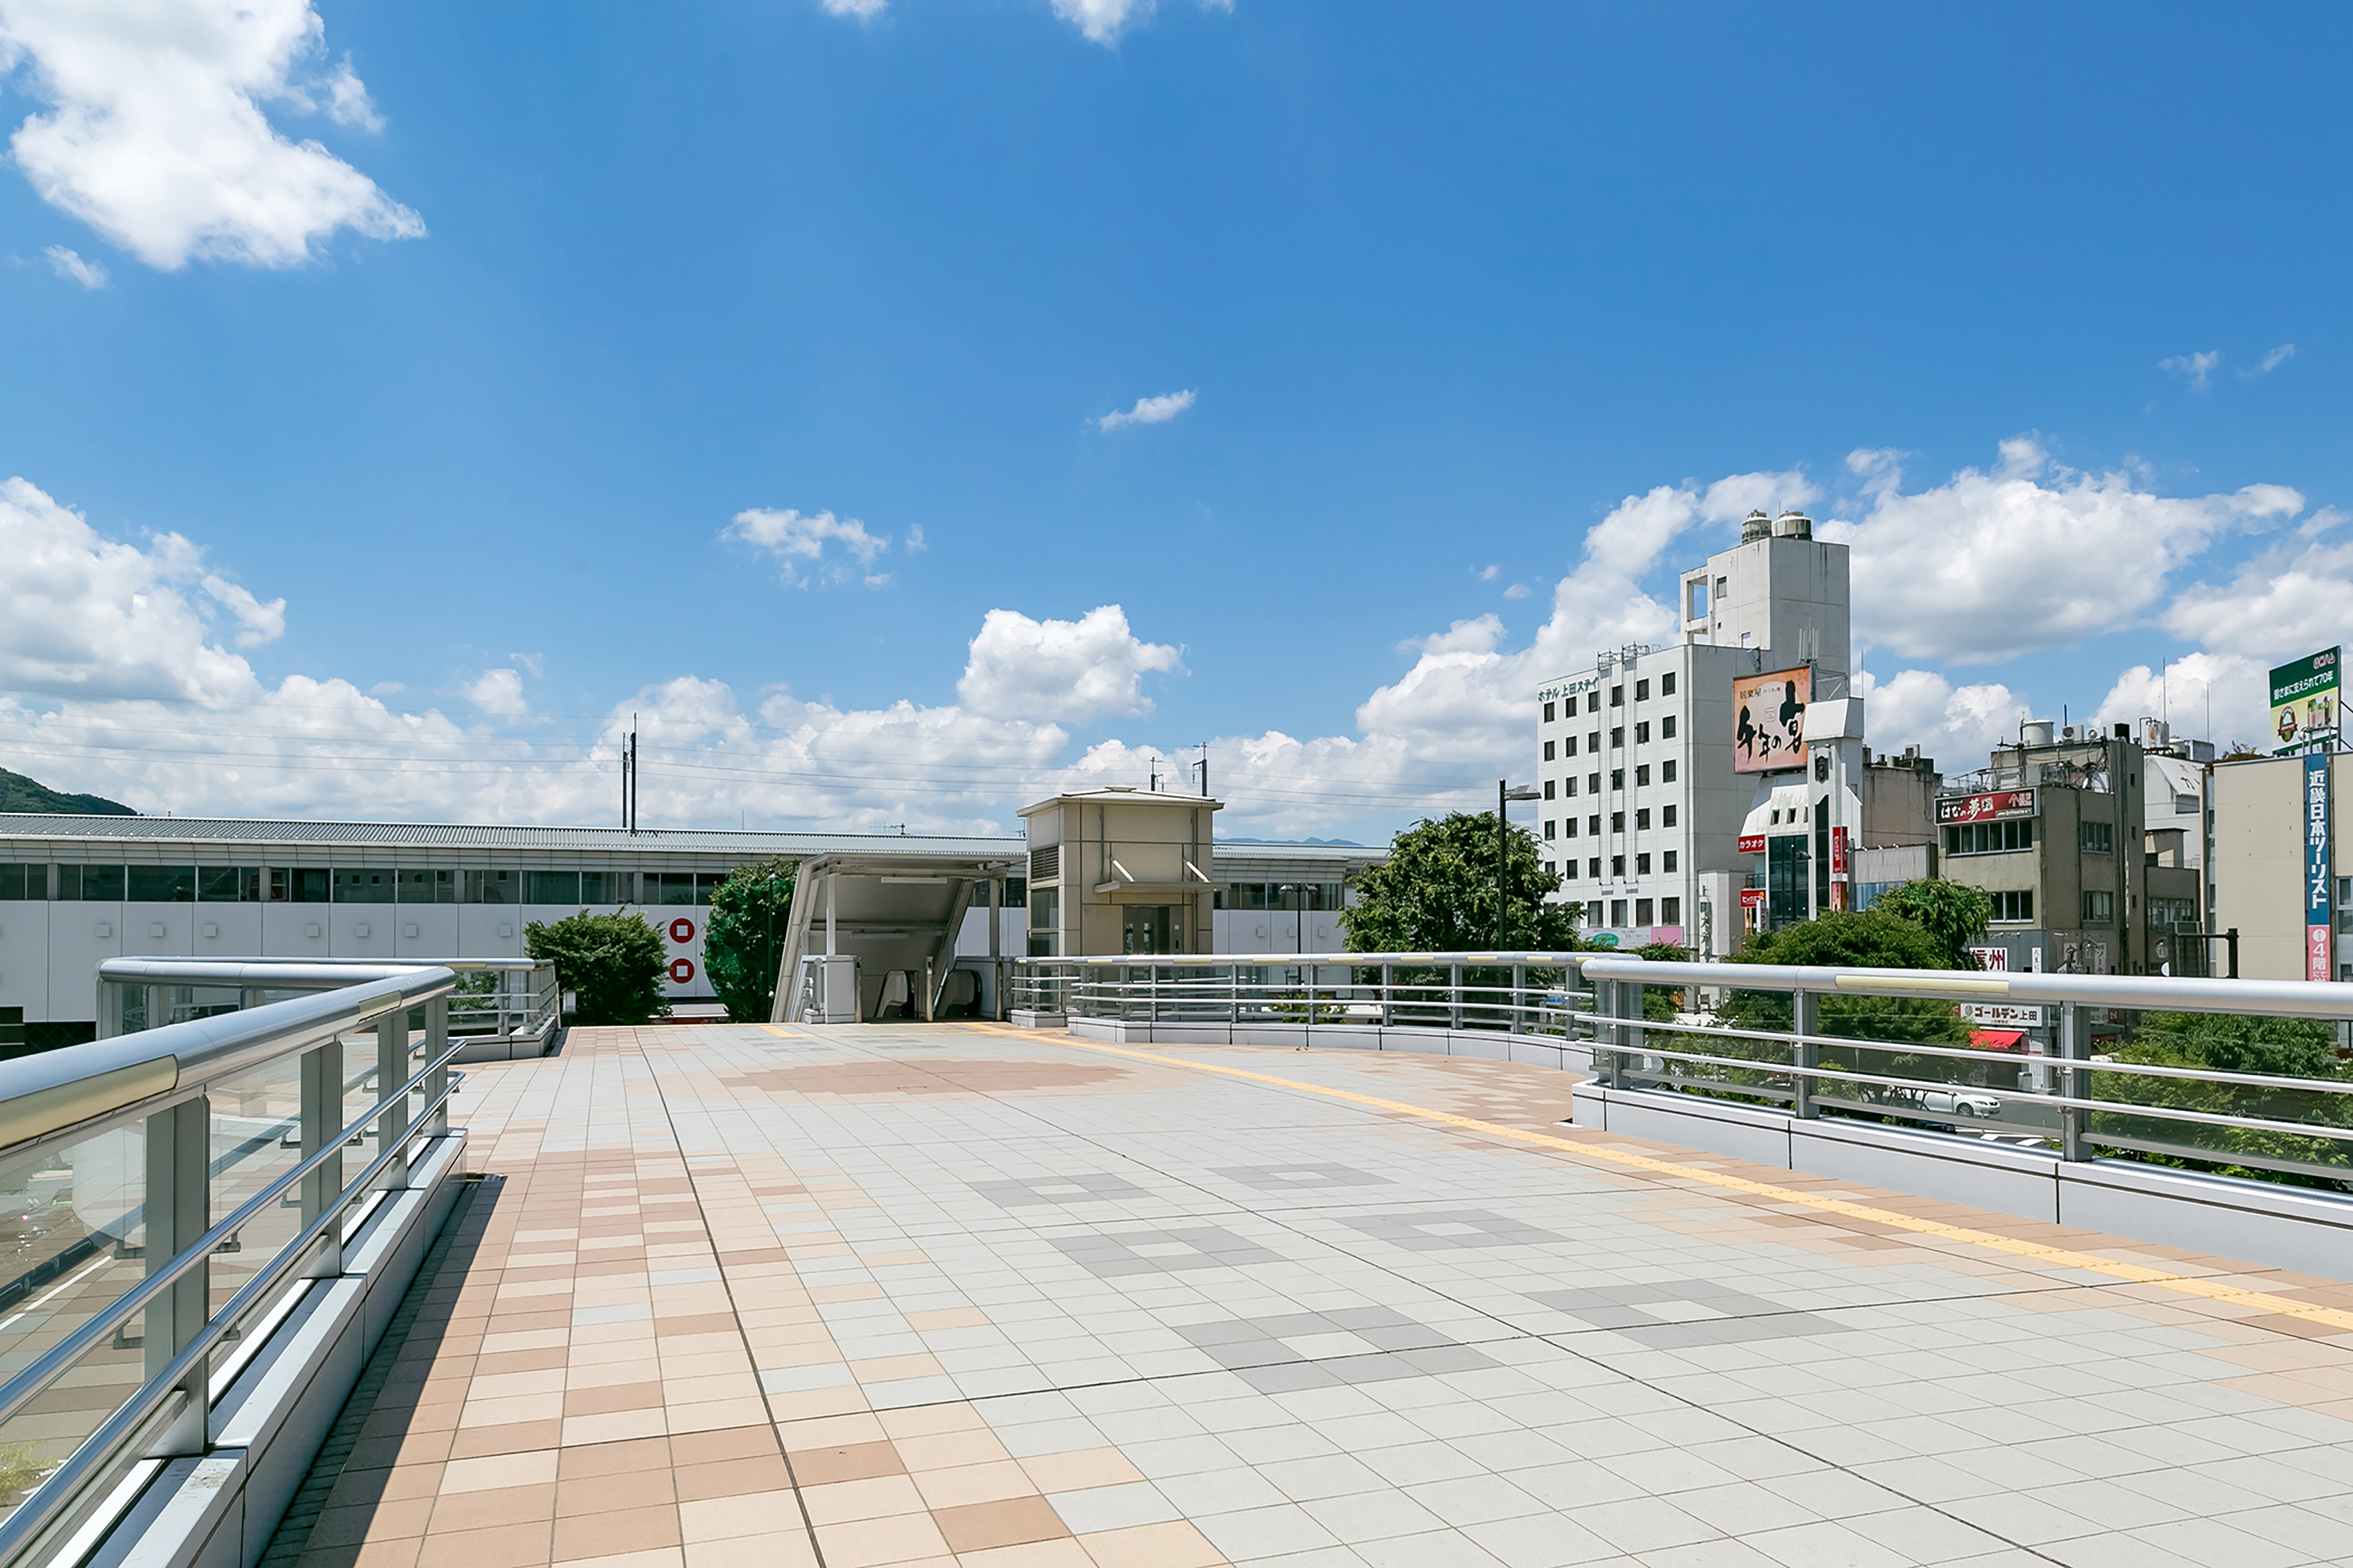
[[2013, 906], [1613, 912], [1567, 746], [1280, 896], [1667, 816], [1990, 838], [1667, 774], [1617, 697], [321, 885], [1669, 862]]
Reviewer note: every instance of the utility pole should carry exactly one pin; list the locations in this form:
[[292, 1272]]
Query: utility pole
[[1504, 794], [1205, 769]]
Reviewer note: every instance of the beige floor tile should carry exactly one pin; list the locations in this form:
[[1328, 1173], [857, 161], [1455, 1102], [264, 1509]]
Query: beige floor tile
[[499, 1470], [868, 1543], [751, 1513], [871, 1497], [781, 1549], [974, 1483], [1175, 1544], [1082, 1469]]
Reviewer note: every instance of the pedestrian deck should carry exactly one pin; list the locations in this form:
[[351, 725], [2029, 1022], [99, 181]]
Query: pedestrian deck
[[752, 1297]]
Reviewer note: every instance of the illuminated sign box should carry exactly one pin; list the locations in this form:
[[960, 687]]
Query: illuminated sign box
[[1999, 806]]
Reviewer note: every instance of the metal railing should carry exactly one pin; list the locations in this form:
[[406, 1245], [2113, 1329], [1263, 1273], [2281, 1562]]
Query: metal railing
[[128, 1310], [2241, 1077], [496, 999]]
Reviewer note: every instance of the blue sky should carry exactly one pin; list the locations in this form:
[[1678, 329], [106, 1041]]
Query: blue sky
[[482, 388]]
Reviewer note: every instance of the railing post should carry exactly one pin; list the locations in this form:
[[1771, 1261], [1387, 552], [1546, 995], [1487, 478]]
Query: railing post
[[1454, 982], [1389, 997], [437, 1042], [1805, 1054], [322, 1122], [391, 1072], [1233, 996], [1610, 1002], [2071, 1085], [1310, 997], [1519, 994], [179, 1210]]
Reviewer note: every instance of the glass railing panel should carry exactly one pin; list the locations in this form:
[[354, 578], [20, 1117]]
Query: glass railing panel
[[257, 1136]]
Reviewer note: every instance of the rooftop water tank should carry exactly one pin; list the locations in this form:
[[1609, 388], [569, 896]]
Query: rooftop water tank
[[2034, 732], [1755, 527], [1793, 525]]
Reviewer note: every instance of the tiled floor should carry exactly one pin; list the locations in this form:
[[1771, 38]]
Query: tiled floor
[[734, 1295]]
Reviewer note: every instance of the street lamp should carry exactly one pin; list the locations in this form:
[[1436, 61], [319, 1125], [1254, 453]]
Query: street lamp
[[1505, 794]]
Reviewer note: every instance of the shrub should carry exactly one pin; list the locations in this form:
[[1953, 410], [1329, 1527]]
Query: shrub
[[744, 937], [612, 964]]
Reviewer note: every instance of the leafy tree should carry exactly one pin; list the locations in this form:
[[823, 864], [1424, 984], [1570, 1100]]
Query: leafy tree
[[2282, 1047], [613, 964], [1662, 1003], [1435, 893], [744, 937], [1954, 913]]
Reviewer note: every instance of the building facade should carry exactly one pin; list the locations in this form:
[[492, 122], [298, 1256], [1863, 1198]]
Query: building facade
[[1649, 764], [2264, 861]]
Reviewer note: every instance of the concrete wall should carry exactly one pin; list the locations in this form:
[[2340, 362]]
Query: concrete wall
[[2258, 868]]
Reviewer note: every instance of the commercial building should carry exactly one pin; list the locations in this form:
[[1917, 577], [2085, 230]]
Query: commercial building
[[1652, 761], [76, 889], [2055, 831], [2279, 840]]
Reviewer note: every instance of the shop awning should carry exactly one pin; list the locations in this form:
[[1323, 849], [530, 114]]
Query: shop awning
[[1998, 1040]]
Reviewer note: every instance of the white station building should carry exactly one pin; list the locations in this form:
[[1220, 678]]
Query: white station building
[[1660, 791]]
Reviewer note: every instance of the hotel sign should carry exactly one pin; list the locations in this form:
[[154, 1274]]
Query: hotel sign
[[2000, 806], [1560, 688]]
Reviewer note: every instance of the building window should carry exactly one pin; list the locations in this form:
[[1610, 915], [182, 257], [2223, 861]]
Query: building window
[[1571, 790], [1617, 778], [18, 882], [1990, 838], [1642, 774], [364, 887], [1671, 911], [1617, 865], [1617, 911], [1616, 822], [504, 887], [1593, 742], [1593, 703], [1669, 866], [551, 888], [301, 885], [1548, 751], [1548, 783], [1567, 870], [1617, 697], [1667, 772], [435, 888], [1617, 739], [1641, 691], [1597, 913], [1548, 718], [1549, 827], [2099, 908], [162, 885], [1667, 817], [1642, 733], [2013, 906], [91, 884], [1593, 784], [224, 884], [1593, 826], [1667, 686], [1572, 746], [2096, 838], [1571, 823], [1642, 820], [1642, 911], [1642, 868], [1667, 728], [1593, 866]]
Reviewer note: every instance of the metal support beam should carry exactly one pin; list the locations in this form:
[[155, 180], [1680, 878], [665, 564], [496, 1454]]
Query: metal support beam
[[179, 1210], [2071, 1081], [437, 1041], [1805, 1010], [391, 1072], [322, 1120]]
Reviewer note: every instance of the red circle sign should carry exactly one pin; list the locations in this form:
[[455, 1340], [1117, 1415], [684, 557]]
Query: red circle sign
[[681, 971], [681, 930]]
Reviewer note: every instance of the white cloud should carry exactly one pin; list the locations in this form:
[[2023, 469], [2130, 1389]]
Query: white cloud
[[1518, 591], [155, 134], [2221, 697], [2197, 367], [1069, 670], [2288, 600], [498, 692], [1920, 708], [799, 542], [533, 662], [916, 542], [2273, 361], [1149, 410], [864, 10], [68, 265], [1103, 21], [257, 622], [1988, 565], [1487, 573]]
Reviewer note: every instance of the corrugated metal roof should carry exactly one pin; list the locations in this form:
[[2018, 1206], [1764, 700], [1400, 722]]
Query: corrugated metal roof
[[156, 831]]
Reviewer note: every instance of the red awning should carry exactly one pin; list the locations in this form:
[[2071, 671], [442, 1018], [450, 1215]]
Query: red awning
[[1998, 1040]]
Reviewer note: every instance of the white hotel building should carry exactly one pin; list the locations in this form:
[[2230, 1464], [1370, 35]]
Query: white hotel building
[[1643, 811]]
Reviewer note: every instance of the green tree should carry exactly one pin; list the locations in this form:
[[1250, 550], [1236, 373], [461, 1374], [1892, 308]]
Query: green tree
[[1436, 892], [612, 964], [2275, 1047], [744, 937], [1954, 913]]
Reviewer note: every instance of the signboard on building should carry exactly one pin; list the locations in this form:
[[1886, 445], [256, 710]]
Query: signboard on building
[[1752, 844], [1770, 720], [1996, 958], [1560, 688], [1953, 811], [1752, 898], [2319, 927], [2001, 1014], [2304, 701]]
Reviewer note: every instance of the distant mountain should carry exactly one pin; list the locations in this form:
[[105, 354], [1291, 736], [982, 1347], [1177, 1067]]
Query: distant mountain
[[1318, 843], [18, 793]]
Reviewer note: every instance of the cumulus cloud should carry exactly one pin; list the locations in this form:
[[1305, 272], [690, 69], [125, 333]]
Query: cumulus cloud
[[801, 544], [1069, 670], [1955, 724], [1149, 410], [2289, 600], [68, 265], [155, 134], [2196, 367], [255, 622], [1990, 565], [2223, 697], [498, 692]]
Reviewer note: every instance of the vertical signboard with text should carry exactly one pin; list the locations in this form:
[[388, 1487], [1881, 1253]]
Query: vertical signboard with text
[[2319, 927], [1769, 719], [2304, 701]]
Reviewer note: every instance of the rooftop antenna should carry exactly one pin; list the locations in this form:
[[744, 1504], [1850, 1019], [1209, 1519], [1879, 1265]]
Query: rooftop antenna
[[1205, 770]]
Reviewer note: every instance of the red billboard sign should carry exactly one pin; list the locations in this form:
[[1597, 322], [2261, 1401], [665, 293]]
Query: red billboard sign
[[1752, 844], [1752, 898], [2001, 806]]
